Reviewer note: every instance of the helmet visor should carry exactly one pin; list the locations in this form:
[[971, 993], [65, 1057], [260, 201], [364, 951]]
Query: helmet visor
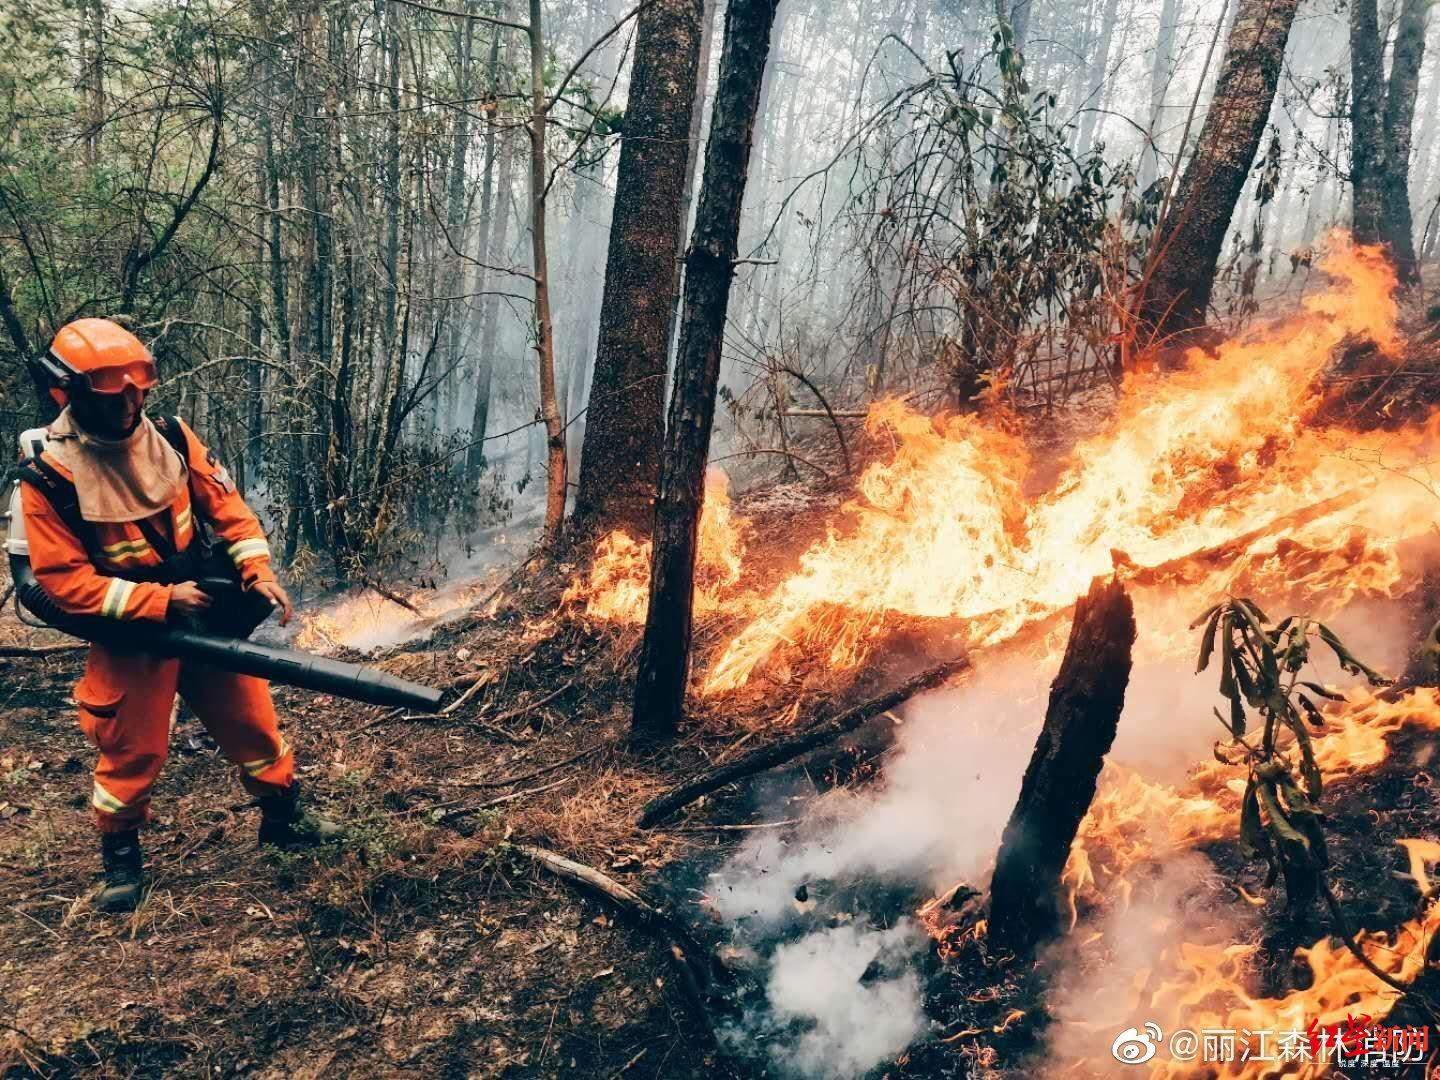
[[140, 374]]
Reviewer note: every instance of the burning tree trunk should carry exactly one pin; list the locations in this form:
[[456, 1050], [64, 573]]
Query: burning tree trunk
[[709, 266], [1175, 292], [620, 459], [1085, 702]]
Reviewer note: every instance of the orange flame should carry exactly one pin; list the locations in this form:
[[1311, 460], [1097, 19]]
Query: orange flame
[[1133, 819], [1191, 461], [617, 588], [1207, 988]]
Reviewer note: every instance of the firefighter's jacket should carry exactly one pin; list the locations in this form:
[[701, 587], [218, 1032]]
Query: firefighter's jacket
[[106, 585]]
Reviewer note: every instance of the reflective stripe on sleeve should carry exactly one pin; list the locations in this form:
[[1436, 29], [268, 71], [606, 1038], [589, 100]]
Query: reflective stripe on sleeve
[[117, 599], [244, 550]]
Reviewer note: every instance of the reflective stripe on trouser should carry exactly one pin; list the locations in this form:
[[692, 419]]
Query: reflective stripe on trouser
[[125, 702]]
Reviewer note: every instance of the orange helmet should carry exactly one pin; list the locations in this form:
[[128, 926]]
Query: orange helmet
[[99, 356]]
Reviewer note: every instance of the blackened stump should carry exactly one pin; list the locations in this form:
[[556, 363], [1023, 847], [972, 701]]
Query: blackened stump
[[1080, 722]]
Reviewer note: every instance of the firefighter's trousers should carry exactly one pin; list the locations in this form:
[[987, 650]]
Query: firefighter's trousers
[[125, 701]]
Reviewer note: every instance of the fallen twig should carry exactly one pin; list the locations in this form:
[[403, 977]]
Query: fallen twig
[[523, 709], [455, 682], [39, 650], [394, 598], [698, 968], [739, 828], [508, 780], [483, 679], [783, 750], [453, 810]]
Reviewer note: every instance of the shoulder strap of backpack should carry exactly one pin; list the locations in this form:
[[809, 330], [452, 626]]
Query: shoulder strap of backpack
[[174, 433], [60, 494]]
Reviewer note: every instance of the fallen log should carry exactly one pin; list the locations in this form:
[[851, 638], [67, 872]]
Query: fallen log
[[783, 750], [1080, 723], [699, 970], [1229, 549]]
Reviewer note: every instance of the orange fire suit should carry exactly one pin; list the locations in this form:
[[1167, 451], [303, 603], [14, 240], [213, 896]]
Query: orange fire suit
[[126, 699]]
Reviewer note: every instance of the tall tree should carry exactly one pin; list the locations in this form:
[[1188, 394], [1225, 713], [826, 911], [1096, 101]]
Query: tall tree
[[620, 458], [709, 268], [1382, 112], [1175, 291], [1161, 67], [555, 481], [1099, 72]]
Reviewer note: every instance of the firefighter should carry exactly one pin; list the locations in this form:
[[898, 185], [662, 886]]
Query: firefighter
[[110, 533]]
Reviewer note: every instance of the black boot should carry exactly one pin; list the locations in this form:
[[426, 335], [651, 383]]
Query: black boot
[[124, 872], [285, 824]]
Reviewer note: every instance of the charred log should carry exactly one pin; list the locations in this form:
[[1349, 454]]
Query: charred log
[[783, 750], [1080, 722]]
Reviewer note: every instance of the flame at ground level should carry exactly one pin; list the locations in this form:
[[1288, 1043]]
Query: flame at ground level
[[1192, 461], [617, 587], [1133, 819], [1206, 989]]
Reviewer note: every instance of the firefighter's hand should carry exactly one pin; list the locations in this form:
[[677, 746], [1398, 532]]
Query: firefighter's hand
[[187, 598], [276, 594]]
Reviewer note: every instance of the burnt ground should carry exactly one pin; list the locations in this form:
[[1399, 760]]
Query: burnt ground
[[428, 944]]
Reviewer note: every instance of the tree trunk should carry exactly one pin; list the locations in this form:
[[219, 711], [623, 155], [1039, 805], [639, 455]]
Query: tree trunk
[[624, 429], [692, 163], [1175, 293], [1367, 136], [1161, 69], [709, 267], [1399, 119], [92, 22], [457, 212], [490, 313], [495, 204], [1086, 699], [555, 486], [1099, 71]]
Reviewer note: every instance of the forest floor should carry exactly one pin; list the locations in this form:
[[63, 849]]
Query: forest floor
[[428, 943], [424, 944]]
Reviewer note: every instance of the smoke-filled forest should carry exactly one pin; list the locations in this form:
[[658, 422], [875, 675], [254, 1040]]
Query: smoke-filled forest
[[754, 538]]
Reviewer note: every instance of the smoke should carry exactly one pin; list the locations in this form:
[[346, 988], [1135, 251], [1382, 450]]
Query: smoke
[[935, 818], [1130, 953], [841, 1000], [369, 622]]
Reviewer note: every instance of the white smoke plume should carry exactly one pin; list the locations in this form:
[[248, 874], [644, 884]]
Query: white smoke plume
[[1099, 995], [936, 816], [832, 1018]]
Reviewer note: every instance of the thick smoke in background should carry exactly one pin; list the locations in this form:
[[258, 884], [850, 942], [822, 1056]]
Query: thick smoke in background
[[935, 819]]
